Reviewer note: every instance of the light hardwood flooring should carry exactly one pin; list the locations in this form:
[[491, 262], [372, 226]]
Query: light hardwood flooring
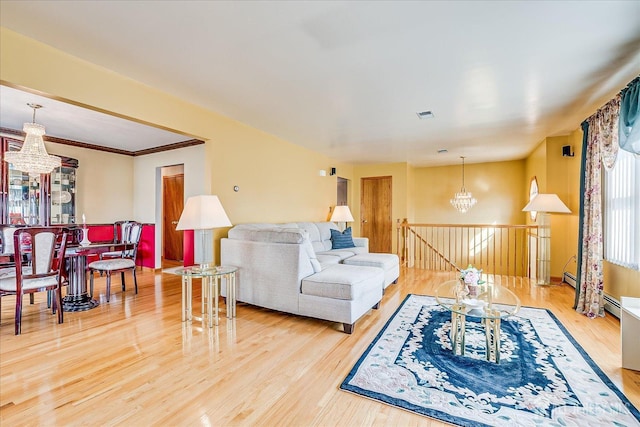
[[133, 362]]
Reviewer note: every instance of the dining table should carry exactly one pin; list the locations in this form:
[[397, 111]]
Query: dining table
[[77, 297]]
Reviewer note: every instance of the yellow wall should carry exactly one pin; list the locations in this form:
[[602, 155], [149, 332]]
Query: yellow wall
[[496, 186], [411, 193], [422, 194], [620, 281], [279, 181], [563, 179], [559, 175], [536, 166]]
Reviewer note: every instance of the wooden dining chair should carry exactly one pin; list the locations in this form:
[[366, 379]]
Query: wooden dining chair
[[6, 244], [7, 239], [123, 232], [8, 252], [124, 261], [44, 248]]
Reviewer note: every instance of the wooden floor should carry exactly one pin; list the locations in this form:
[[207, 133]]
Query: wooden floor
[[133, 362]]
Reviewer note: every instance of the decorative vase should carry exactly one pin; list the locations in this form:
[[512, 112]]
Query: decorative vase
[[474, 290]]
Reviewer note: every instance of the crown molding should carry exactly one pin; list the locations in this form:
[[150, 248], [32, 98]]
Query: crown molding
[[168, 147]]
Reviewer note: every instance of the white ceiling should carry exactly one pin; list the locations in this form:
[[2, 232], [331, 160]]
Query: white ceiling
[[68, 121], [347, 78]]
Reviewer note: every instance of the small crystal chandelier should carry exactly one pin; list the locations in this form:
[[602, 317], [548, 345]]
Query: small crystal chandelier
[[463, 200], [33, 157]]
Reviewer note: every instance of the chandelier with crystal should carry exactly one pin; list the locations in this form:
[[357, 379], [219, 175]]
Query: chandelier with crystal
[[33, 157], [463, 200]]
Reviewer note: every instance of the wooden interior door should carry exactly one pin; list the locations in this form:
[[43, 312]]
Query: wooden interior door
[[375, 208], [172, 204]]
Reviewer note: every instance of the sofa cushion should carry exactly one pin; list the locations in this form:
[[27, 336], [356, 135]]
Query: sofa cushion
[[390, 263], [341, 254], [306, 245], [327, 260], [384, 261], [342, 240], [319, 234], [270, 234], [346, 282]]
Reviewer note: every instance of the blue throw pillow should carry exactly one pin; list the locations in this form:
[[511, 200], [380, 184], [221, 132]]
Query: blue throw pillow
[[341, 240]]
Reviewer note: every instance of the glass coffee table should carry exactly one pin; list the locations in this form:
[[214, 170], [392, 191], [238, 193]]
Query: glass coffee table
[[492, 304]]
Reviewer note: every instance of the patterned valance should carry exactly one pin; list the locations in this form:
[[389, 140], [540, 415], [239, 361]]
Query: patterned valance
[[604, 128]]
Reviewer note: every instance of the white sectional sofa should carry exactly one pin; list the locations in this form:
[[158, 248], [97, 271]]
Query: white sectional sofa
[[293, 268]]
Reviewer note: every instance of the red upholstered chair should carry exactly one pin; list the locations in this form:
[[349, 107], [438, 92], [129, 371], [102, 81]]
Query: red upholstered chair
[[44, 248]]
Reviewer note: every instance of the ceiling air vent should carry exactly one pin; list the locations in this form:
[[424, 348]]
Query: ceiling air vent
[[425, 115]]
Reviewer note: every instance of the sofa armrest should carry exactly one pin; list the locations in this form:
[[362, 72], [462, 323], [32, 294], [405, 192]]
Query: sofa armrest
[[361, 242], [269, 274]]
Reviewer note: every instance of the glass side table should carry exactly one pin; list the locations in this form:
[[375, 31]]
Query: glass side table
[[491, 305], [211, 278]]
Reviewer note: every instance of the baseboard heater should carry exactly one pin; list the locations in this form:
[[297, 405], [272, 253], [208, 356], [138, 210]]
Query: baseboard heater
[[569, 278], [611, 304]]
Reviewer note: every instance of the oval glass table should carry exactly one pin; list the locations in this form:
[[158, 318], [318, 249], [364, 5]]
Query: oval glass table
[[489, 303]]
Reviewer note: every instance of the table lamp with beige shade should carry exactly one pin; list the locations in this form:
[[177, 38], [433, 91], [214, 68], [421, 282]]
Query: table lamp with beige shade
[[342, 213], [202, 214]]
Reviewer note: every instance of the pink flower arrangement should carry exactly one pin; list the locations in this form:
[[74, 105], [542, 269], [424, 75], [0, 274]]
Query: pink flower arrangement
[[471, 276]]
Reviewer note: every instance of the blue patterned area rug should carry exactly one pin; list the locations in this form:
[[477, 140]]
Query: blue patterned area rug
[[544, 377]]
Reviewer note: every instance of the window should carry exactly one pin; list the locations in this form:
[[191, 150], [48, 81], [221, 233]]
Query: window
[[622, 211], [533, 192]]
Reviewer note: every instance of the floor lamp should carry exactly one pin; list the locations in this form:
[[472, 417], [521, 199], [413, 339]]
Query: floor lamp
[[342, 214], [202, 214], [544, 204]]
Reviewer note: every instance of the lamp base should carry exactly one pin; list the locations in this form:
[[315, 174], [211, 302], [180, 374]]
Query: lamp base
[[543, 276], [553, 281], [543, 284], [203, 247], [204, 267]]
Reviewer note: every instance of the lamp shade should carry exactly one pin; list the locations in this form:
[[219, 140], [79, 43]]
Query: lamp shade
[[546, 203], [341, 214], [202, 213]]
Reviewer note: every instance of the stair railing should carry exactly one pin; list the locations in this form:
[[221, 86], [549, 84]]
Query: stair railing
[[496, 249]]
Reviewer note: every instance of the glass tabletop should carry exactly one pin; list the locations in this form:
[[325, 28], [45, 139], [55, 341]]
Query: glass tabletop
[[197, 271], [491, 302]]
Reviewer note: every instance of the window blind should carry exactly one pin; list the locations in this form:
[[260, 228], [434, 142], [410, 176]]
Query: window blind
[[622, 211]]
